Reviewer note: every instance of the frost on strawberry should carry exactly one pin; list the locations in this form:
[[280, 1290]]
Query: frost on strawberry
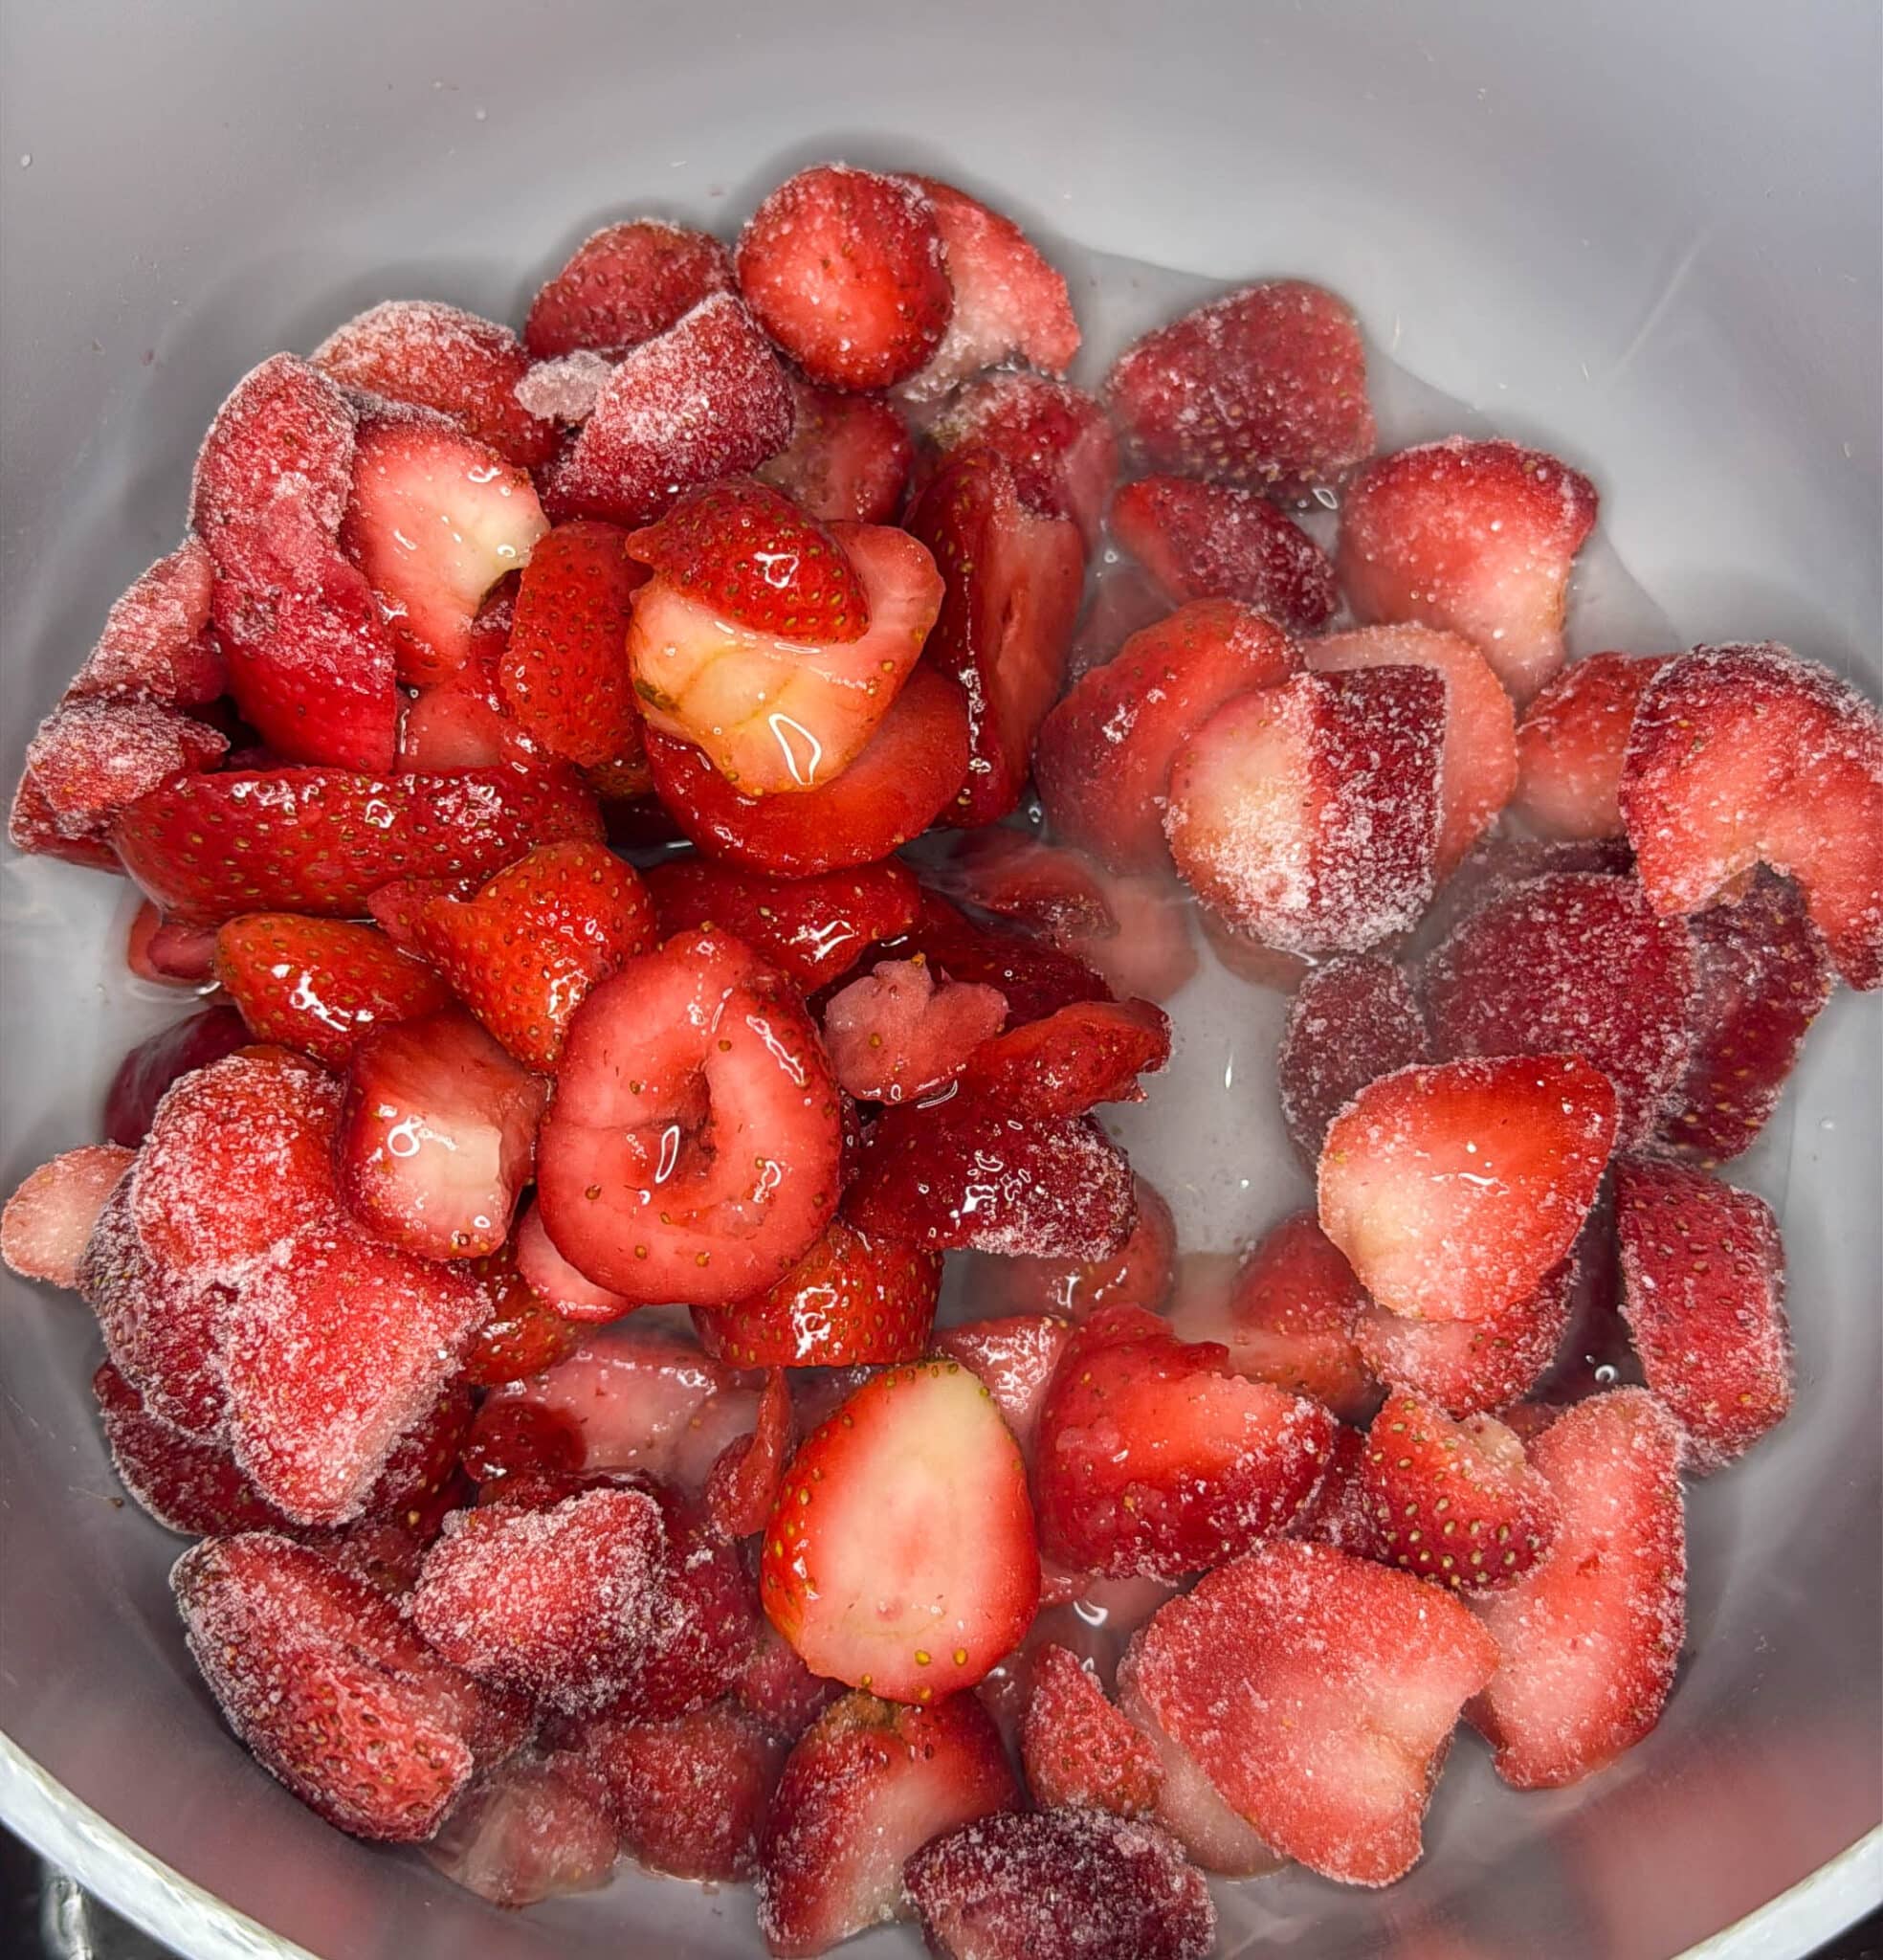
[[1352, 1019], [1572, 743]]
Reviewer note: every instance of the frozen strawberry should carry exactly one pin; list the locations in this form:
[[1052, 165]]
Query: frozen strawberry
[[49, 1218], [624, 284], [1338, 1513], [1055, 439], [1588, 1643], [848, 457], [1502, 861], [1452, 1190], [1014, 580], [908, 771], [438, 357], [156, 644], [561, 675], [188, 1485], [565, 389], [320, 984], [1076, 1747], [780, 1689], [571, 1293], [1318, 1692], [208, 848], [33, 827], [1013, 1360], [1153, 1457], [705, 1625], [895, 1034], [1043, 888], [1065, 1062], [1472, 537], [854, 1298], [1746, 754], [524, 1835], [1308, 814], [1213, 540], [1138, 1275], [153, 1065], [1572, 741], [869, 1783], [742, 1485], [706, 398], [167, 954], [1352, 1020], [1250, 958], [338, 1698], [1704, 1277], [522, 1335], [1572, 963], [1264, 387], [710, 1170], [844, 270], [1036, 979]]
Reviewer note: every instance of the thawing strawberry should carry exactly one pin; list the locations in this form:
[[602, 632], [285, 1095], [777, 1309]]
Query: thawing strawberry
[[524, 1835], [848, 457], [463, 723], [1076, 1747], [1339, 1514], [1055, 436], [1013, 1360], [780, 1689], [189, 1485], [1037, 980], [1138, 1275], [149, 1068], [571, 1293], [1476, 537], [1352, 1020], [167, 954], [1502, 861], [1745, 754], [522, 1334], [743, 1482], [1572, 741], [156, 644], [895, 1035], [49, 1218], [1065, 1062], [1264, 387], [1453, 1190], [623, 285]]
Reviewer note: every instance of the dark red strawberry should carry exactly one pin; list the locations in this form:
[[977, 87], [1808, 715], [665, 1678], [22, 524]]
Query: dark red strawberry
[[1139, 1275], [49, 1220], [895, 1034], [1055, 439], [188, 1485], [1339, 1514], [624, 284], [524, 1835], [1352, 1020], [167, 954], [848, 457], [149, 1068], [156, 644], [1013, 1360], [1572, 743], [1077, 1748], [1034, 979], [1066, 1062], [522, 1334], [745, 1478], [780, 1689]]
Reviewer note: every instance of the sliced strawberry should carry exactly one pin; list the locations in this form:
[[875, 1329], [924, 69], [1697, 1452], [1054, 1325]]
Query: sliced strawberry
[[1138, 1275], [1318, 1692], [1055, 439], [1472, 537], [711, 1170], [49, 1218], [844, 270], [571, 1293], [1572, 743], [908, 771], [743, 1482], [1036, 979], [780, 1689], [624, 284], [1264, 387], [524, 1334], [338, 1698], [1013, 1360], [167, 954], [438, 357], [706, 398], [1588, 1643], [848, 457], [31, 828], [1338, 1513], [524, 1835], [1065, 1062], [1308, 814], [188, 1485], [208, 848], [1502, 861], [1124, 602], [1453, 1190], [1572, 963], [1747, 754], [149, 1068], [1105, 752], [895, 1034], [1076, 1747], [396, 906], [1352, 1020], [156, 644], [1213, 541]]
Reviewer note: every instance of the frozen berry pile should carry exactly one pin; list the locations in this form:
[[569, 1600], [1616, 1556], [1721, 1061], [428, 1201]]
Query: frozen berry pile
[[678, 856]]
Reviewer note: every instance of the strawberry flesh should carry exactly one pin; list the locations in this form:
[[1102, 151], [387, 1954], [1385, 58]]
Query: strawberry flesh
[[1077, 1748], [895, 1035], [1065, 1062], [524, 1835], [50, 1218], [156, 644], [1138, 1275], [848, 457]]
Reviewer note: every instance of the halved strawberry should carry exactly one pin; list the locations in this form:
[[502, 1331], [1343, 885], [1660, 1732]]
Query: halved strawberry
[[868, 1785], [1014, 580], [1154, 1458], [441, 358], [894, 1035], [156, 644], [208, 848], [1076, 1747], [1213, 541], [189, 1485], [522, 1335], [526, 1834], [159, 950], [1055, 436], [30, 828], [1037, 980], [335, 1694], [706, 398], [149, 1068], [848, 457], [1572, 963], [1746, 754], [1588, 1643], [1474, 537], [1452, 1190], [844, 269], [1105, 752], [464, 723], [1352, 1020], [1138, 1275], [780, 1689], [571, 1293], [396, 906], [1502, 861], [624, 284], [711, 1168], [1318, 1692], [1264, 387], [1064, 1063], [742, 1485], [1013, 1360], [1572, 741], [1308, 814], [1339, 1514], [49, 1220]]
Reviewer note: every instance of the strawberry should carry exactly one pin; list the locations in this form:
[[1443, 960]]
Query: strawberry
[[1105, 752], [189, 1486], [1746, 754], [320, 984], [208, 848], [1055, 439], [336, 1697], [1213, 541], [1014, 580], [31, 828], [438, 357], [1452, 1190], [844, 270], [870, 1783], [1013, 1360], [1138, 1275], [49, 1218], [895, 1034], [1308, 814], [1264, 387], [851, 1299], [149, 1068], [524, 1835], [848, 457], [743, 1482], [1077, 1748], [708, 1172], [1250, 958], [1475, 538], [463, 722], [1572, 741], [1571, 964], [1318, 1692], [1588, 1643], [706, 398], [1338, 1513], [623, 285], [1037, 980], [1352, 1020], [777, 1687], [1704, 1275], [1065, 1062], [903, 776], [169, 954], [1501, 862], [156, 644], [1125, 602], [397, 905], [549, 1275]]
